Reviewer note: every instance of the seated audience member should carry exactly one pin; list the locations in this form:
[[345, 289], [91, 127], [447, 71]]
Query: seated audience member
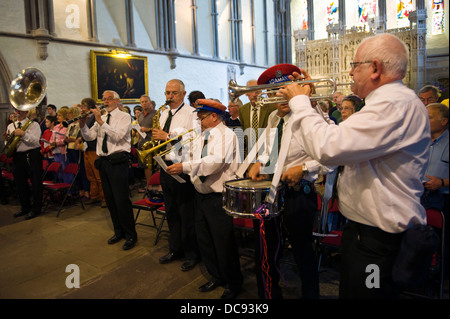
[[350, 104], [428, 94]]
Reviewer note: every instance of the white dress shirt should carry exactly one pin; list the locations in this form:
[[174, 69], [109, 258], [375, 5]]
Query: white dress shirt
[[384, 148], [183, 119], [31, 139], [118, 131], [220, 163], [296, 155]]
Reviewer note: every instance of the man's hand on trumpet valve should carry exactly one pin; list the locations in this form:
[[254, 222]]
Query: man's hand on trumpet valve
[[294, 89], [159, 134], [175, 169]]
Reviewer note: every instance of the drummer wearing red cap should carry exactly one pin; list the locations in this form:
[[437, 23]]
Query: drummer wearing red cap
[[299, 172], [215, 161]]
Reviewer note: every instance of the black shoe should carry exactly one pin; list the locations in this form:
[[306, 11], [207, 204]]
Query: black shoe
[[18, 214], [114, 239], [230, 293], [168, 258], [129, 243], [31, 215], [188, 265], [209, 286]]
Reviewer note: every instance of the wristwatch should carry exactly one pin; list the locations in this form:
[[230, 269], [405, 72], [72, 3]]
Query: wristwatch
[[304, 169]]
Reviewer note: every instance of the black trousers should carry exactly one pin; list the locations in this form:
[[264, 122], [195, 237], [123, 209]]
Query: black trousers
[[28, 165], [295, 223], [215, 234], [114, 177], [179, 203], [363, 249], [297, 220]]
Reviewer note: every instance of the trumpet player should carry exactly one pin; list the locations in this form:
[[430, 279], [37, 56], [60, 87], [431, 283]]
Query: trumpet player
[[383, 150], [299, 173], [27, 164], [178, 197]]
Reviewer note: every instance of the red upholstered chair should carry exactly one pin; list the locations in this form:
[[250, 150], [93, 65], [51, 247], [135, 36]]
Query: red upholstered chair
[[162, 212], [436, 219], [152, 205], [54, 190], [51, 173]]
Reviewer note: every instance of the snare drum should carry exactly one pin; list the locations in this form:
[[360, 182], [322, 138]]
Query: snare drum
[[242, 197]]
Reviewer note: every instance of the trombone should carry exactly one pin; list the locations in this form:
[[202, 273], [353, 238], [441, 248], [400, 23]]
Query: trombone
[[267, 95], [143, 155]]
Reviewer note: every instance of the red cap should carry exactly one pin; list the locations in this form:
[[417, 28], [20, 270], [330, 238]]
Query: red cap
[[277, 73], [210, 105]]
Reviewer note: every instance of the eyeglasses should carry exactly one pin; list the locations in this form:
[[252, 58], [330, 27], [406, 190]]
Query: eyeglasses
[[201, 119], [109, 98], [354, 65], [174, 93]]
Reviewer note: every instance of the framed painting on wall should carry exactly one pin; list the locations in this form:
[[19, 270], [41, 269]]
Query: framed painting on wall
[[124, 73]]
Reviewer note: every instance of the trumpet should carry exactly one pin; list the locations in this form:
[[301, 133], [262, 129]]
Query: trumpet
[[267, 95], [144, 154]]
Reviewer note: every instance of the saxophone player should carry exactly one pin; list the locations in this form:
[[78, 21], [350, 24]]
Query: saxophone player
[[27, 164], [145, 120]]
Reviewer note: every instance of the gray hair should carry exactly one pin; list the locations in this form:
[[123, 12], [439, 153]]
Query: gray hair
[[428, 88], [388, 49], [182, 87], [115, 94]]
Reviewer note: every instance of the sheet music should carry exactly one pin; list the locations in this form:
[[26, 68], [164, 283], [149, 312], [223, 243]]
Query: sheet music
[[163, 165], [137, 127]]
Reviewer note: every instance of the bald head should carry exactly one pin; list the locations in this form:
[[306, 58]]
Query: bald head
[[388, 49]]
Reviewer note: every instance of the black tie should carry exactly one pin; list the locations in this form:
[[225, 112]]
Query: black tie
[[105, 146], [205, 153], [20, 124], [280, 133], [168, 121]]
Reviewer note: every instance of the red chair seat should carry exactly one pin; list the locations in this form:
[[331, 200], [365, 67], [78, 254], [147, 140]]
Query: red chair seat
[[334, 239]]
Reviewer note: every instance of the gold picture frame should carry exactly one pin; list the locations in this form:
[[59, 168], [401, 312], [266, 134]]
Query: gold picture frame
[[124, 73]]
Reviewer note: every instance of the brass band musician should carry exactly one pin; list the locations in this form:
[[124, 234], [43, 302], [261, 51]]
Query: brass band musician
[[27, 164]]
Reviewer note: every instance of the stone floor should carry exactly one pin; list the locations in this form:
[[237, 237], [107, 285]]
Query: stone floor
[[35, 254]]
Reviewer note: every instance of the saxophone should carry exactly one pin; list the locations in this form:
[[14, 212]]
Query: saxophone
[[143, 156]]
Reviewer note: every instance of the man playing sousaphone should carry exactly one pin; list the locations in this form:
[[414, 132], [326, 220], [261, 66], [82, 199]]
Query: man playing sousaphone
[[299, 173], [27, 164]]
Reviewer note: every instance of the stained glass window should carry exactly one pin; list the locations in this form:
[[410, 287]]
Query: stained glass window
[[304, 16], [333, 12], [367, 9], [403, 9], [438, 17]]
